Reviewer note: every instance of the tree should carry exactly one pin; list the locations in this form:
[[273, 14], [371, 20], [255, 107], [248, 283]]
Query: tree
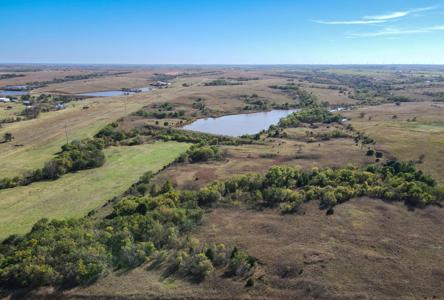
[[7, 137]]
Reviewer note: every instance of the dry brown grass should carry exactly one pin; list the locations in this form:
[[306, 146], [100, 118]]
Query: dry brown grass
[[259, 158], [331, 96], [42, 75], [407, 140], [367, 249], [95, 84]]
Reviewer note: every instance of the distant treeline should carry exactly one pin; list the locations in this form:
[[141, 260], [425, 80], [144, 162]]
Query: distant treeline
[[8, 76]]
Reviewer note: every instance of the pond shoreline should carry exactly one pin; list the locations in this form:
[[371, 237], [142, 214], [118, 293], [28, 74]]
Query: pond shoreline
[[238, 124]]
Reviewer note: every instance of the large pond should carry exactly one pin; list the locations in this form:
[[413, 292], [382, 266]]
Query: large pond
[[237, 125], [116, 92]]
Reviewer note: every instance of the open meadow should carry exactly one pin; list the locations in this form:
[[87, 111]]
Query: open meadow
[[410, 131], [74, 195]]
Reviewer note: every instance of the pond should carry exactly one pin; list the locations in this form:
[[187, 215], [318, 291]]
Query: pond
[[116, 92], [237, 125], [12, 93]]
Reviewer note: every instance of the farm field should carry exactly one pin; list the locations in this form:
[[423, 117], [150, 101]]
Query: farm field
[[74, 195], [40, 138]]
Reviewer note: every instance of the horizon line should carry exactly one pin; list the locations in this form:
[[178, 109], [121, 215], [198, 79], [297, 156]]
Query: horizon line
[[220, 64]]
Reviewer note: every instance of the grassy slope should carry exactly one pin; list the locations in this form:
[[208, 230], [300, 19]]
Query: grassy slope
[[367, 249], [42, 137], [407, 140], [7, 113], [74, 195]]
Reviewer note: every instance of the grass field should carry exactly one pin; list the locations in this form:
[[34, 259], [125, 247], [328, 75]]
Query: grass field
[[407, 140], [7, 113], [42, 137], [76, 194]]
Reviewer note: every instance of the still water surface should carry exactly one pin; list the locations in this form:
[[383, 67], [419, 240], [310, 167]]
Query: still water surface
[[114, 93], [12, 93], [237, 125]]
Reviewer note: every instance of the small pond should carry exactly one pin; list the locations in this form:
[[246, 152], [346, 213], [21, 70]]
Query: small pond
[[12, 93], [116, 92], [237, 125]]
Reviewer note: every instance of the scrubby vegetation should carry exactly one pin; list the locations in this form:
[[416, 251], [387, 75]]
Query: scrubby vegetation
[[151, 227], [288, 188], [219, 82], [165, 110], [313, 114], [305, 98], [75, 156], [324, 136], [10, 75], [112, 135], [200, 153]]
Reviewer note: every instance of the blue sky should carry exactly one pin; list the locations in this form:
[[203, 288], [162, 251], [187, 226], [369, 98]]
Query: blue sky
[[222, 32]]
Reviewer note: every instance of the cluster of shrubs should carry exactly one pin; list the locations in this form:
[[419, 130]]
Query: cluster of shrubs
[[162, 111], [254, 102], [187, 136], [142, 228], [195, 261], [112, 135], [324, 136], [306, 99], [221, 82], [200, 153], [75, 156], [312, 114], [363, 138], [288, 188], [160, 114], [371, 152]]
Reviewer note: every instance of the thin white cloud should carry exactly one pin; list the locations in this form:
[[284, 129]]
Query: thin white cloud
[[399, 14], [390, 31], [350, 22], [393, 15], [378, 18]]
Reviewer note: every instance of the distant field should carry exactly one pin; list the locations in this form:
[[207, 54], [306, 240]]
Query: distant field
[[95, 84], [42, 137], [366, 72], [7, 113], [331, 96], [74, 195], [407, 140]]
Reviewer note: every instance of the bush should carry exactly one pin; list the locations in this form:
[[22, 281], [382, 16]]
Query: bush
[[200, 153], [370, 152], [241, 264], [197, 266]]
